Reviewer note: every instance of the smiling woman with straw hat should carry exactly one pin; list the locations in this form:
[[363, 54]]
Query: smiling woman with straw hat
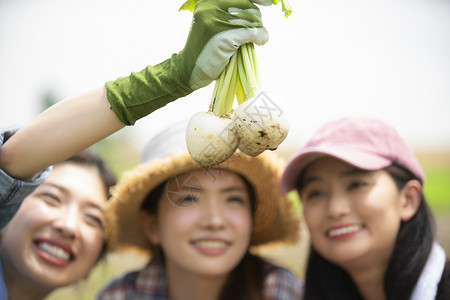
[[198, 225]]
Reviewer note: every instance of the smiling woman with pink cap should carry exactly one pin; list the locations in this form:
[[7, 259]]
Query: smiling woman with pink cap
[[372, 232]]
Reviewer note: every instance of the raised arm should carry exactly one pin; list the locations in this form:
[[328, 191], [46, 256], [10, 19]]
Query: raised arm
[[61, 131], [219, 27]]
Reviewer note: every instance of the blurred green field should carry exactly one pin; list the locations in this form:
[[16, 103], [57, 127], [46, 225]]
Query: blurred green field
[[437, 188], [437, 193]]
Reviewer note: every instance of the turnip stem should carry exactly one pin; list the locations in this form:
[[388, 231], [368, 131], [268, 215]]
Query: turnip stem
[[226, 94], [254, 62], [224, 89], [240, 94], [216, 90], [243, 77], [239, 79], [247, 53]]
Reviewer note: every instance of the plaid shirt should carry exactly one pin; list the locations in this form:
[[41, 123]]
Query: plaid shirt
[[150, 284]]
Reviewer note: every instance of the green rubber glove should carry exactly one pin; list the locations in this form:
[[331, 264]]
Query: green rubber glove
[[219, 28]]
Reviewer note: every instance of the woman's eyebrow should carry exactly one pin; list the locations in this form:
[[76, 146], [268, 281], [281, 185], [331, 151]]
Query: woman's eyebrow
[[309, 179], [232, 189], [188, 187], [191, 188], [353, 172], [96, 206], [56, 186], [66, 191]]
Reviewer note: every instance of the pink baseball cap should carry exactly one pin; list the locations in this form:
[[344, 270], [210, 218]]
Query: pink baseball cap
[[364, 143]]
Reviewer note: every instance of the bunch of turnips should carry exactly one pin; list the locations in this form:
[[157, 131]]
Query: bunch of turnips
[[260, 122]]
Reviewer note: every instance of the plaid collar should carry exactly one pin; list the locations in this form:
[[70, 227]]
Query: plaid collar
[[151, 281]]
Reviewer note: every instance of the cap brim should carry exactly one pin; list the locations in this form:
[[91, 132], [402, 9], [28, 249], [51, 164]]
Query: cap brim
[[359, 158]]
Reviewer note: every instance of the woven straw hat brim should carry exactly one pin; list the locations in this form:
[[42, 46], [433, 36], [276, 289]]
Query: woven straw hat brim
[[274, 220]]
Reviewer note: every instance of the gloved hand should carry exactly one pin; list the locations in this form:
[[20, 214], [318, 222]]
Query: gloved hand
[[219, 28]]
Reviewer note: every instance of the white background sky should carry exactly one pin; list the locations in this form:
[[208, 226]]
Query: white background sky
[[382, 59]]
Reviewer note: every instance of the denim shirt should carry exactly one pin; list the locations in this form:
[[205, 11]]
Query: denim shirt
[[12, 193], [12, 190], [3, 291]]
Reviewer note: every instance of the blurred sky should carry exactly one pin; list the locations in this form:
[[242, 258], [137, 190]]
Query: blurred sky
[[383, 59]]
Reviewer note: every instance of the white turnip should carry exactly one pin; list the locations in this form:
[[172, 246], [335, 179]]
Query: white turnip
[[262, 124], [211, 139]]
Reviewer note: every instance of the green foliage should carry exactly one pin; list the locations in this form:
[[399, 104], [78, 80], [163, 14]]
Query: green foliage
[[295, 201], [437, 188], [118, 152], [189, 5], [48, 99]]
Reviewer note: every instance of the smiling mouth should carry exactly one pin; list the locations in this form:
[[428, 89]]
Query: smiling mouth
[[211, 244], [344, 231], [54, 251]]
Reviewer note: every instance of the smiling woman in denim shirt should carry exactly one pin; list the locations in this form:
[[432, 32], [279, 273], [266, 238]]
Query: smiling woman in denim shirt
[[60, 230], [80, 121]]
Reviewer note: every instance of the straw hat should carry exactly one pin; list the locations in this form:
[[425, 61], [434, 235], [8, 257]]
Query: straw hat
[[274, 219]]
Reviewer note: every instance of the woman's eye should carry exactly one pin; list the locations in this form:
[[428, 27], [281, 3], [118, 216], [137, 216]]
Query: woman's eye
[[188, 198], [50, 198], [94, 220], [186, 201], [312, 195], [356, 184], [315, 194], [236, 199]]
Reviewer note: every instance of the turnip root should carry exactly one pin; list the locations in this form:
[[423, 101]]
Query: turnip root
[[262, 124], [211, 139]]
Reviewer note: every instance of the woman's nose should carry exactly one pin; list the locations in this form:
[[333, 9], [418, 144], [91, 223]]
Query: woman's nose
[[212, 215], [338, 205], [67, 223]]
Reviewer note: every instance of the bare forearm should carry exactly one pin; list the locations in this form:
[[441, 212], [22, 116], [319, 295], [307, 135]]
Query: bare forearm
[[78, 122], [58, 133]]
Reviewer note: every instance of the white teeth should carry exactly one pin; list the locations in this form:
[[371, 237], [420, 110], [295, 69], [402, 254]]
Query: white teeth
[[54, 250], [344, 230], [211, 244]]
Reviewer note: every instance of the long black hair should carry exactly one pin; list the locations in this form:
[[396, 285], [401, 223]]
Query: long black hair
[[325, 280]]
